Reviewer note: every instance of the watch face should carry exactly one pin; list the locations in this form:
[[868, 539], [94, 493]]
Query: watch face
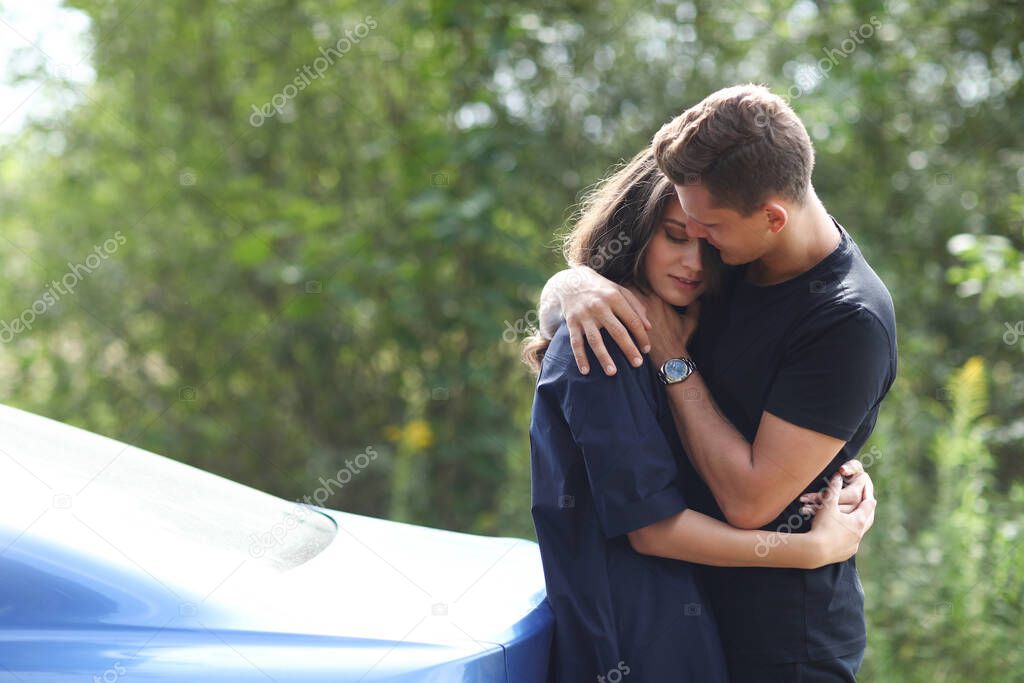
[[676, 370]]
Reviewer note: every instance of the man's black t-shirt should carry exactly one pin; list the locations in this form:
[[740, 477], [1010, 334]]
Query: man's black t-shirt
[[818, 351]]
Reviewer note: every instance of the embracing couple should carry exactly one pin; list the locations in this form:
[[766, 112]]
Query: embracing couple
[[707, 370]]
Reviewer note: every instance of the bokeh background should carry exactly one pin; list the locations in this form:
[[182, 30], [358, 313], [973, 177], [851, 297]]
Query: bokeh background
[[262, 236]]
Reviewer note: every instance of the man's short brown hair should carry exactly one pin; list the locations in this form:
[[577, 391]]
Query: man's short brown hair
[[743, 143]]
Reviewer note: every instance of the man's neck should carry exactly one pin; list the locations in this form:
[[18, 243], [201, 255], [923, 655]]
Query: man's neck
[[809, 236]]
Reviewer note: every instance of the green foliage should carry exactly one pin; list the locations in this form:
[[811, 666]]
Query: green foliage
[[344, 274], [943, 583]]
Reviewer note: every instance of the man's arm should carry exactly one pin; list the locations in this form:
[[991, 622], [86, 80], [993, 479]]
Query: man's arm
[[753, 483], [590, 303]]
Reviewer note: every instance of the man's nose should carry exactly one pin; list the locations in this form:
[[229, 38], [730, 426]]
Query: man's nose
[[694, 230]]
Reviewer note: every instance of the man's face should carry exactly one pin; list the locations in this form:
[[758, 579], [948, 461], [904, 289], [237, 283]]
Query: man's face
[[739, 239]]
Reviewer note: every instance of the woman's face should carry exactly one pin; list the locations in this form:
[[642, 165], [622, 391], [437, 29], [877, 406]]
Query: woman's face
[[672, 263]]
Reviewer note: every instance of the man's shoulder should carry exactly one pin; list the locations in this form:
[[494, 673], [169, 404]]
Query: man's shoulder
[[860, 288], [841, 284], [844, 297]]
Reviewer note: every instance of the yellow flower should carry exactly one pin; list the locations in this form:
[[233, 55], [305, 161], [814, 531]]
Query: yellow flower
[[418, 435]]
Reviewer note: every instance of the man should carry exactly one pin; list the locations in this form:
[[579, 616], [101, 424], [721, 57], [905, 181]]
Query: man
[[792, 360]]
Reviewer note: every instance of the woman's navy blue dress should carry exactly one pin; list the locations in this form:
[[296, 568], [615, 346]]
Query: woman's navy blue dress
[[604, 456]]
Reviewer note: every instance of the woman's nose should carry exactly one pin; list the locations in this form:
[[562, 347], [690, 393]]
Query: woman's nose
[[691, 256]]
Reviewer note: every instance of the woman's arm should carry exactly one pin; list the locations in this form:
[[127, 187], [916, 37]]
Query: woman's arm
[[694, 537]]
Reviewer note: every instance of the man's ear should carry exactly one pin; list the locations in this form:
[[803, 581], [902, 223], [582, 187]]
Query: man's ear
[[776, 215]]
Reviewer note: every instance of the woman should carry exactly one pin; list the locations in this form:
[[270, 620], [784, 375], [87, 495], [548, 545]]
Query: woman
[[608, 505]]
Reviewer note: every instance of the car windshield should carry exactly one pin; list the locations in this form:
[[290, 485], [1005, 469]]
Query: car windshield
[[124, 505]]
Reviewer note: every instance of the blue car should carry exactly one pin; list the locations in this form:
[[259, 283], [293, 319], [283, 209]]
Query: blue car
[[116, 562]]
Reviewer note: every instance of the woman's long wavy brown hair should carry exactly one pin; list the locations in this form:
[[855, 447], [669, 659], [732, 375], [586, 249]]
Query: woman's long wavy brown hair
[[611, 230]]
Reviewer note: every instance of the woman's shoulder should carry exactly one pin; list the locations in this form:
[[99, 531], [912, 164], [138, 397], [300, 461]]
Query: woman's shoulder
[[560, 347], [581, 397], [559, 360]]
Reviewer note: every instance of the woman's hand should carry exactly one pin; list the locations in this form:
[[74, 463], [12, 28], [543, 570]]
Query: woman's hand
[[838, 534], [670, 332], [857, 484]]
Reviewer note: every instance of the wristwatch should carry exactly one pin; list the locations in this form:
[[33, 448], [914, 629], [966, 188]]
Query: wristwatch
[[676, 370]]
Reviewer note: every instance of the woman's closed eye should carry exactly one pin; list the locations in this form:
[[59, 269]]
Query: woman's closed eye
[[678, 237]]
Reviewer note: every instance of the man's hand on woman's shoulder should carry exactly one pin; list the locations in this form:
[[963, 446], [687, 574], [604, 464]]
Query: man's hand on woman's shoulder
[[589, 303]]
